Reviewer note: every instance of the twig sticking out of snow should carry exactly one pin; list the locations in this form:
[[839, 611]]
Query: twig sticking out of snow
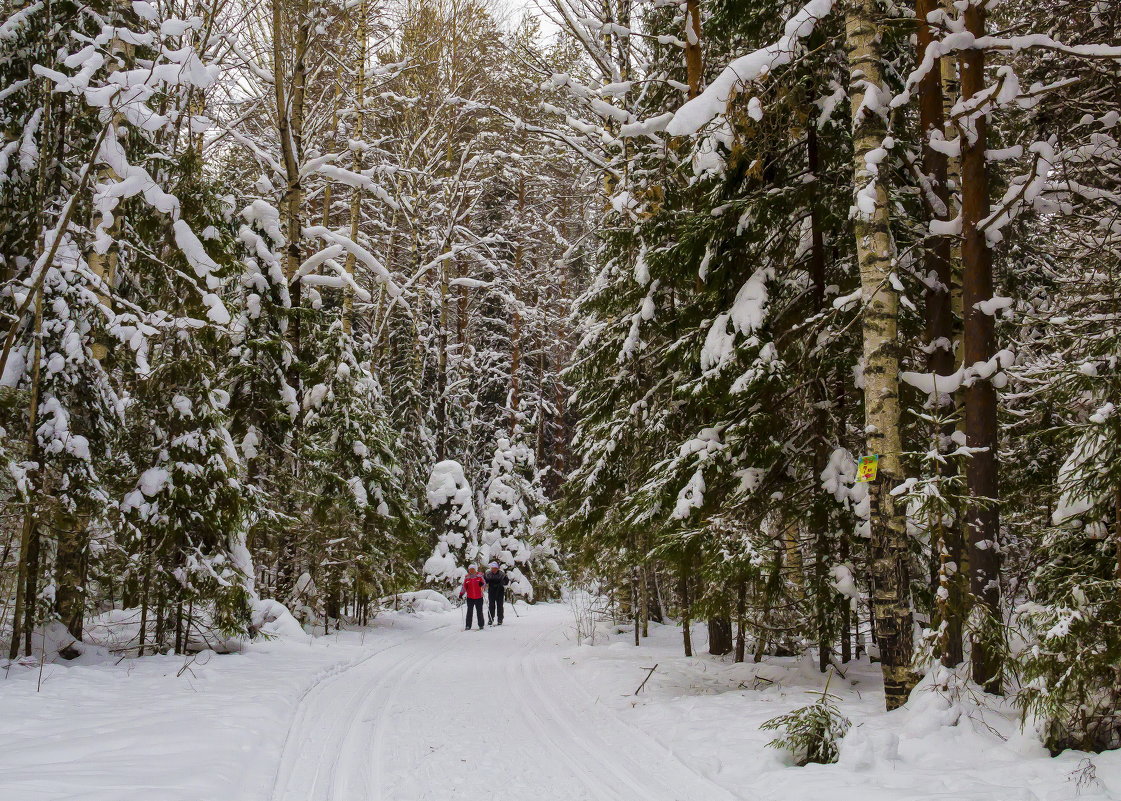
[[650, 672]]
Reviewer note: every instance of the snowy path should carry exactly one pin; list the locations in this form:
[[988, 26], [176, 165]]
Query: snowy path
[[448, 714], [415, 709]]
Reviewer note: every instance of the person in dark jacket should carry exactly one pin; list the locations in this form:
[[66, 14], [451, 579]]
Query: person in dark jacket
[[473, 584], [497, 582]]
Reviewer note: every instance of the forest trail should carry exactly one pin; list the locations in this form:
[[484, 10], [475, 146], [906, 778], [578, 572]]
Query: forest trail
[[450, 715]]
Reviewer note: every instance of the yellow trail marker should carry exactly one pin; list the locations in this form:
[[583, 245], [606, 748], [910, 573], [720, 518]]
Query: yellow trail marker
[[867, 469]]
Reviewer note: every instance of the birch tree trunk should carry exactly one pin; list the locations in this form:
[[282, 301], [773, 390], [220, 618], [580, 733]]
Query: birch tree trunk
[[875, 249], [359, 162], [289, 120], [289, 115]]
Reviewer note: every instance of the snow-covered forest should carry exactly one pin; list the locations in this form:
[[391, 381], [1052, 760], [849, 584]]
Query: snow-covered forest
[[307, 304]]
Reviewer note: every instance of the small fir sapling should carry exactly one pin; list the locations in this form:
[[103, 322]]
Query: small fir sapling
[[811, 733]]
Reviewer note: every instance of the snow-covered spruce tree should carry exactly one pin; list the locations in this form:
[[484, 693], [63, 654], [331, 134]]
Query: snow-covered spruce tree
[[1066, 389], [621, 396], [1071, 682], [263, 405], [189, 506], [359, 512], [110, 185], [78, 413], [736, 330], [451, 504], [45, 177], [184, 519], [514, 530]]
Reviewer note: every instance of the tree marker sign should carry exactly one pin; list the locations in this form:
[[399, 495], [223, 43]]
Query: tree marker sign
[[866, 470]]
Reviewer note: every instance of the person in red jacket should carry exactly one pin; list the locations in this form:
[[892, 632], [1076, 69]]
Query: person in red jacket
[[473, 584]]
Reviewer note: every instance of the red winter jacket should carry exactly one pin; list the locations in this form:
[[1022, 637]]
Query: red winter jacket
[[473, 586]]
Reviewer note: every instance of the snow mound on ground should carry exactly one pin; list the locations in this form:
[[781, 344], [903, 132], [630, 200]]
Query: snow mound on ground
[[419, 601], [865, 748], [272, 619], [55, 644]]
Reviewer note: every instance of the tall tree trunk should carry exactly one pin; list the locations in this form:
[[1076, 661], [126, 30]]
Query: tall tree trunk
[[71, 562], [23, 612], [145, 597], [982, 518], [686, 568], [644, 600], [289, 113], [516, 335], [741, 619], [358, 134], [636, 604], [442, 369], [875, 249], [719, 636], [823, 591], [515, 399], [694, 67], [940, 331], [290, 121]]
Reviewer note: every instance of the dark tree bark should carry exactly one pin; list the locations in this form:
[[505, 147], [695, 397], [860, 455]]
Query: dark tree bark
[[694, 68], [71, 562], [940, 329], [719, 636], [982, 519], [741, 619], [820, 514], [686, 602]]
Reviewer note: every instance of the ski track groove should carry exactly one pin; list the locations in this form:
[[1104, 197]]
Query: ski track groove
[[378, 738], [634, 735], [595, 786], [297, 738], [339, 746], [621, 763]]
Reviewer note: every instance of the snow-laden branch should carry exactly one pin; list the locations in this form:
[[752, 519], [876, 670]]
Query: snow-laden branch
[[367, 258], [709, 104]]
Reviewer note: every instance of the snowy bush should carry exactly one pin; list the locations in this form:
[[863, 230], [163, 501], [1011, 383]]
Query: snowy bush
[[811, 733]]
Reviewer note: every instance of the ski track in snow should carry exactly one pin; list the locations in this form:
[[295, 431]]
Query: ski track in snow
[[450, 715]]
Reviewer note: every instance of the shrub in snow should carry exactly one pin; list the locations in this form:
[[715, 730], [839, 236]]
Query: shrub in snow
[[1072, 667], [811, 733]]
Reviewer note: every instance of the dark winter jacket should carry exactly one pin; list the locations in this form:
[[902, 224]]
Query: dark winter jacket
[[497, 582]]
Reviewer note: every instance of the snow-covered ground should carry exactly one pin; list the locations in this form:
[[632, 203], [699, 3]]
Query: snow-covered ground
[[415, 708]]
